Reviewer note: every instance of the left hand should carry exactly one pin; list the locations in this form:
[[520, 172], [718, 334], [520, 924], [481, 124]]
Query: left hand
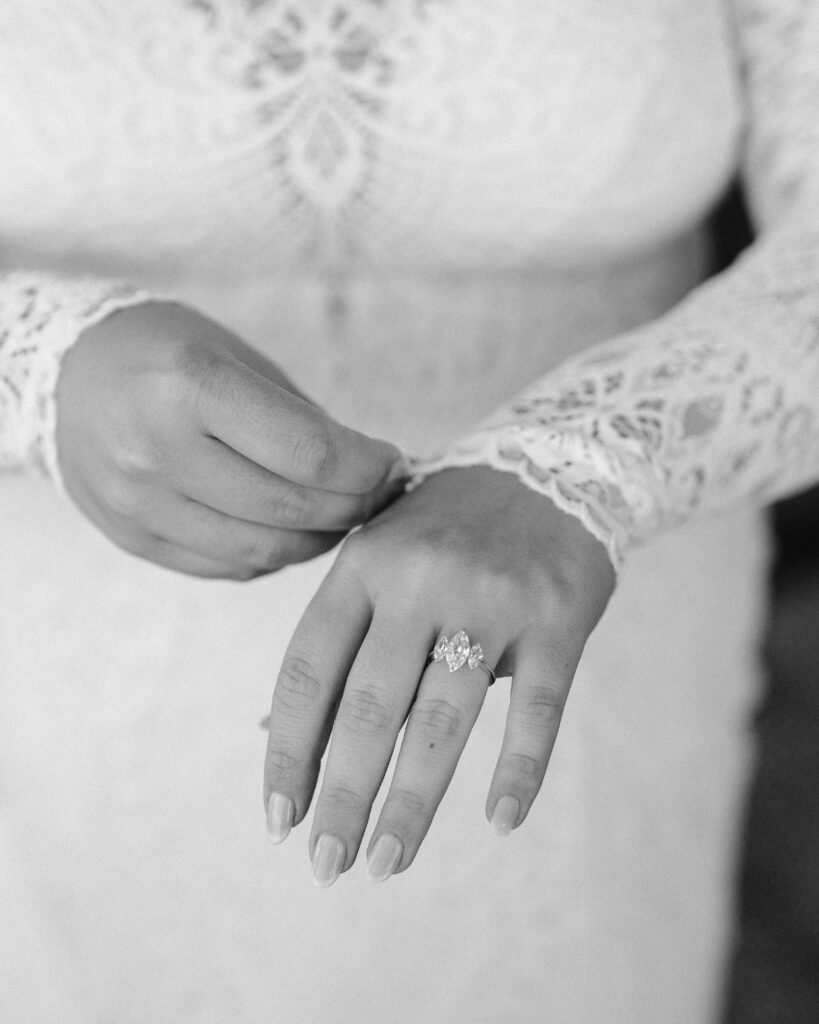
[[470, 549]]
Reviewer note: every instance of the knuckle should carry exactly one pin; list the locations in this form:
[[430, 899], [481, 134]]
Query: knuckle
[[438, 718], [279, 762], [420, 572], [354, 562], [429, 551], [123, 497], [263, 552], [188, 358], [290, 507], [341, 798], [540, 707], [354, 511], [137, 456], [434, 558], [364, 712], [408, 802], [501, 585], [298, 687], [352, 555], [196, 372], [185, 360], [314, 454], [524, 765]]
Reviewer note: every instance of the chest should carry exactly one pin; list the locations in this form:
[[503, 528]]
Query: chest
[[361, 132]]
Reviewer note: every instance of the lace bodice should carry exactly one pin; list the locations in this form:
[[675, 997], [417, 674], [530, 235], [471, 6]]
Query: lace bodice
[[403, 135], [439, 134]]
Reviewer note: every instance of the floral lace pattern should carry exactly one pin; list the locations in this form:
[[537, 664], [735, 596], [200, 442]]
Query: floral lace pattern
[[336, 83], [716, 401], [358, 136], [710, 404]]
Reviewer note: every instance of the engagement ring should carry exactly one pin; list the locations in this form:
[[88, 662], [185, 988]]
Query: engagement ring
[[460, 651]]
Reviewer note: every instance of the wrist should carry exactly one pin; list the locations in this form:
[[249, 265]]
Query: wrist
[[553, 537]]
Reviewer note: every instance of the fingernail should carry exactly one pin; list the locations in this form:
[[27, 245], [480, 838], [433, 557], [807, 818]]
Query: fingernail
[[400, 470], [328, 858], [505, 815], [384, 858], [280, 814]]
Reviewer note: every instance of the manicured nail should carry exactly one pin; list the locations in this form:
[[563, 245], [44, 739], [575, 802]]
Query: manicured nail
[[328, 858], [280, 814], [505, 815], [384, 858]]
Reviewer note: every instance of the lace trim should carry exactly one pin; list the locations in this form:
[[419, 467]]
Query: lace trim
[[553, 486], [41, 317]]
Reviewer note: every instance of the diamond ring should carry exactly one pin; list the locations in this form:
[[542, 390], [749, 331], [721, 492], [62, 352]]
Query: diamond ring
[[460, 651]]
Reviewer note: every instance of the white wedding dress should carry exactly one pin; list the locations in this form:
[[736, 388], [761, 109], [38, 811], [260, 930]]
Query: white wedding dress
[[418, 208]]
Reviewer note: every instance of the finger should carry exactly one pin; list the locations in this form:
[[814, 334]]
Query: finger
[[543, 673], [442, 717], [236, 542], [221, 478], [287, 435], [310, 680], [191, 563], [259, 362], [379, 690], [146, 545]]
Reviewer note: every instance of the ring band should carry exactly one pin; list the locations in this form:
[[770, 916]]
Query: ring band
[[460, 651]]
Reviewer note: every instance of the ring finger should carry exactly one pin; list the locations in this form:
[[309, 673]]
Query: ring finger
[[442, 717]]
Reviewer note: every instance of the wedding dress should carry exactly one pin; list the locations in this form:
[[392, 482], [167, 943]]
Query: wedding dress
[[475, 228]]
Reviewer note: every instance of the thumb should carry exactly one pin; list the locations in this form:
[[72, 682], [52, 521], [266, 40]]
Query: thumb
[[381, 465]]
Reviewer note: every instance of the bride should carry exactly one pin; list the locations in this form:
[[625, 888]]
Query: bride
[[430, 280]]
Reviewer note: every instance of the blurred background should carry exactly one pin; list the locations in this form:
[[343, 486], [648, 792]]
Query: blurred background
[[775, 972]]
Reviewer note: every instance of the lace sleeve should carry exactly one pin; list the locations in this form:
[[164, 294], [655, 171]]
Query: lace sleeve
[[40, 318], [718, 401]]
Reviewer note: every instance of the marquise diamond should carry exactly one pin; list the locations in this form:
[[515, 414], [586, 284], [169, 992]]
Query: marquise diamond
[[439, 650], [457, 651]]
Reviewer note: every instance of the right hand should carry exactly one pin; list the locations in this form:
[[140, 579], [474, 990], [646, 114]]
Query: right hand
[[189, 448]]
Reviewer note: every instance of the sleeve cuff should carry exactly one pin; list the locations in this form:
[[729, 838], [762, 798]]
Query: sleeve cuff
[[42, 318]]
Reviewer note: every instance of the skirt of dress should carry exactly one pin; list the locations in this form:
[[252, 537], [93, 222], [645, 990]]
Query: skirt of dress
[[136, 880]]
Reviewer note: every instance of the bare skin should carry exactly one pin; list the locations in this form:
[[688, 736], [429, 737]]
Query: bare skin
[[189, 448], [470, 548]]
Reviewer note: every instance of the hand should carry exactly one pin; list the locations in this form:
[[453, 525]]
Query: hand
[[470, 548], [190, 449]]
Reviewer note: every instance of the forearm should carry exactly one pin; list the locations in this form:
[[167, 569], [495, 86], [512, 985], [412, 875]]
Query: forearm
[[715, 402], [719, 400]]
